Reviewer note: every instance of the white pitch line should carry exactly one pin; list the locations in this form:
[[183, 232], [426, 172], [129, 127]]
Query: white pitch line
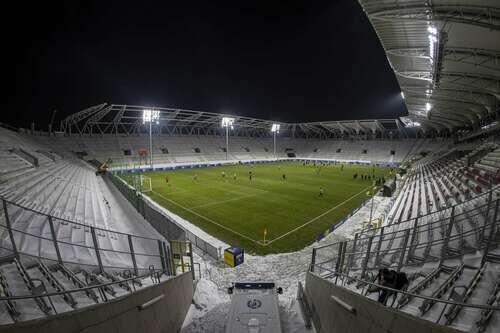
[[317, 217], [208, 219], [224, 201]]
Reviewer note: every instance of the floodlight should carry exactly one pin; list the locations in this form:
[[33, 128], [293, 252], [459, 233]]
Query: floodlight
[[227, 122], [432, 30], [275, 128], [150, 115], [428, 106], [402, 95]]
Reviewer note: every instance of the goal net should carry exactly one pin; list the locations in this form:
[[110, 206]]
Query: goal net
[[143, 184]]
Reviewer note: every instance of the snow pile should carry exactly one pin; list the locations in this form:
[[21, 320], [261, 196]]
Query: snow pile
[[209, 310], [211, 301], [207, 295], [355, 223]]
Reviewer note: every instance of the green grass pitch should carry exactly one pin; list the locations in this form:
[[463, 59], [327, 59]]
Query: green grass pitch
[[238, 211]]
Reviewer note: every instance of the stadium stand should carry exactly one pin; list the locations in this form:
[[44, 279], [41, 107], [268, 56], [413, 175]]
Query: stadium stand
[[441, 229], [125, 150], [442, 232], [67, 239], [78, 246]]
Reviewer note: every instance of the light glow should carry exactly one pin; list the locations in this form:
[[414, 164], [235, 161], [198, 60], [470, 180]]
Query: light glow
[[150, 115], [432, 41], [275, 128], [402, 95], [227, 122], [408, 122], [428, 106], [432, 30]]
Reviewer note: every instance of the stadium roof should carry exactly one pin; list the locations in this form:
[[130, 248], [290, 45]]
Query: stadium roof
[[446, 57], [126, 119]]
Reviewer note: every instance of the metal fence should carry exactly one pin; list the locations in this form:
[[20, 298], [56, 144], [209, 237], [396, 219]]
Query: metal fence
[[448, 233], [34, 234], [162, 223]]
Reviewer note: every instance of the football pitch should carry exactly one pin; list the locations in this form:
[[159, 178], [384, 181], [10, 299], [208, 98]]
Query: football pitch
[[279, 210]]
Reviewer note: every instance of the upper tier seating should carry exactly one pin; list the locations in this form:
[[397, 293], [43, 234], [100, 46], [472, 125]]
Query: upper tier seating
[[168, 150]]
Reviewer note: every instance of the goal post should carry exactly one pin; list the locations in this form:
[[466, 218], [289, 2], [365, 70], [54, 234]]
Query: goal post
[[143, 184], [146, 185]]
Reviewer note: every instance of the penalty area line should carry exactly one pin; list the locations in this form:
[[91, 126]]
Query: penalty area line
[[317, 217], [207, 219]]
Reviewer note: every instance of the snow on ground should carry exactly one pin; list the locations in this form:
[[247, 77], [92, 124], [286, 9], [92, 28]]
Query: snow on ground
[[211, 303]]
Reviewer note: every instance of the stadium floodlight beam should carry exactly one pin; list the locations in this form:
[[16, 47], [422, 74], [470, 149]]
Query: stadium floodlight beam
[[433, 38], [227, 122], [148, 116], [275, 128]]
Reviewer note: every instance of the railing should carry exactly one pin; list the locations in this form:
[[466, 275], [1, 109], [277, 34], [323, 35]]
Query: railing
[[103, 288], [31, 233], [451, 232], [344, 278]]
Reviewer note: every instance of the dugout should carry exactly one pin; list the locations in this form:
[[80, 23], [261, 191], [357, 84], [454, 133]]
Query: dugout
[[388, 188]]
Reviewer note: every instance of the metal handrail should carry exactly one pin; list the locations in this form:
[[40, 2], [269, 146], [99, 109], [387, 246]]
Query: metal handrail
[[470, 305], [432, 242], [412, 220], [76, 263], [79, 245], [95, 251], [74, 222], [102, 285]]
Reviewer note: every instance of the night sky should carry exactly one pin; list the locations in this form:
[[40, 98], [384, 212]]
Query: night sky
[[283, 61]]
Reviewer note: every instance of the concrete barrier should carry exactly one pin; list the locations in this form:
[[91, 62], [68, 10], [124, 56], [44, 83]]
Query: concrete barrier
[[336, 309], [123, 315]]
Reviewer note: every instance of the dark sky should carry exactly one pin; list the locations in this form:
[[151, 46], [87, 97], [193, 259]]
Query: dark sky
[[284, 61]]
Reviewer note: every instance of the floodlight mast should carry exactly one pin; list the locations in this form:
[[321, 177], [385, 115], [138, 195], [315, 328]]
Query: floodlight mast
[[275, 128], [150, 115], [227, 122]]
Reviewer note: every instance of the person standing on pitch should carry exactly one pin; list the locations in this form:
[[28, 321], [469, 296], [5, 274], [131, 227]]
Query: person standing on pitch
[[234, 176], [321, 192]]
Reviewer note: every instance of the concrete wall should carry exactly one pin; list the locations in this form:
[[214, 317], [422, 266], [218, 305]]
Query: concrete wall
[[122, 315], [370, 316]]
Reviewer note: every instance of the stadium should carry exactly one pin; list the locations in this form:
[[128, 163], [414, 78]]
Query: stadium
[[149, 218]]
